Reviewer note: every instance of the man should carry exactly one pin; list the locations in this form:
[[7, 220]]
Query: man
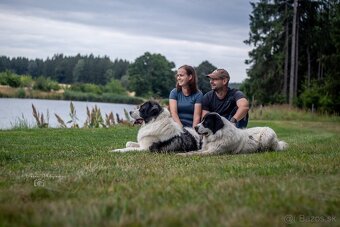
[[229, 103]]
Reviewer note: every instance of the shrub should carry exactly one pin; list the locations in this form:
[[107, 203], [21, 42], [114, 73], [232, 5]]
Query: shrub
[[45, 84], [318, 96], [116, 98], [26, 81], [10, 79], [114, 86], [87, 88], [92, 88], [106, 97], [21, 93], [3, 78], [81, 96]]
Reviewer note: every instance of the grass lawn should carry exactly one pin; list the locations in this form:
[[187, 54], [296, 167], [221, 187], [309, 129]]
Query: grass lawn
[[67, 177]]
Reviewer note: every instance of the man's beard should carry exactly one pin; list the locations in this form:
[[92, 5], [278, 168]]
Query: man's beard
[[216, 88]]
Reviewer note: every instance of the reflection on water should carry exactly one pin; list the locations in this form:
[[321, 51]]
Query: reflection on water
[[12, 109]]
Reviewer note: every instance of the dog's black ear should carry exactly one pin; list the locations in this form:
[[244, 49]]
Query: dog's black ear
[[215, 122], [143, 109], [149, 110], [155, 109]]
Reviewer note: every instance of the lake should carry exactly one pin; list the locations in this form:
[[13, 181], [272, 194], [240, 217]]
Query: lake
[[12, 109]]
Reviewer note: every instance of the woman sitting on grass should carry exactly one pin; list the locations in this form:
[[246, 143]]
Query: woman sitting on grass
[[185, 101]]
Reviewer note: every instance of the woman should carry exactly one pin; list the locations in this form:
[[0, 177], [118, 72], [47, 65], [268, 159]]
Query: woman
[[185, 101]]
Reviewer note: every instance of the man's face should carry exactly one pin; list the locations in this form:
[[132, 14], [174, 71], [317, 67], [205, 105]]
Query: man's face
[[217, 83]]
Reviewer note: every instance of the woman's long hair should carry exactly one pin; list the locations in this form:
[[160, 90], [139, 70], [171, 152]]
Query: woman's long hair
[[192, 83]]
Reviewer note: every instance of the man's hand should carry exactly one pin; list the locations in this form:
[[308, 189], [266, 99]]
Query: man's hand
[[233, 121]]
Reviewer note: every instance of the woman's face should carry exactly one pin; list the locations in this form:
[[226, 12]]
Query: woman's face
[[182, 77]]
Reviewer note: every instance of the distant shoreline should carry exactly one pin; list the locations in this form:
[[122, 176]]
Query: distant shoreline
[[11, 92]]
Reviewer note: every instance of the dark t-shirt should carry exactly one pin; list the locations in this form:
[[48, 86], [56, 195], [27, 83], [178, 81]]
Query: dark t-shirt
[[186, 105], [225, 107]]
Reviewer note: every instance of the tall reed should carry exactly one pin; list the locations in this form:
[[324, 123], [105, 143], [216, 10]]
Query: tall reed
[[39, 118]]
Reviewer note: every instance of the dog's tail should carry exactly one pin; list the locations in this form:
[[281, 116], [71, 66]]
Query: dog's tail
[[281, 145]]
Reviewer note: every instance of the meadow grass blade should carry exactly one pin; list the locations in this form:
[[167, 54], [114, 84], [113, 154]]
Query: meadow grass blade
[[21, 123]]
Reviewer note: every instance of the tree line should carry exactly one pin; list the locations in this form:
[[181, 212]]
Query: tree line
[[295, 56], [68, 69], [150, 75]]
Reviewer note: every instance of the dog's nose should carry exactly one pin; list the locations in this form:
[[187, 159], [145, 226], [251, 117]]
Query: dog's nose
[[196, 128]]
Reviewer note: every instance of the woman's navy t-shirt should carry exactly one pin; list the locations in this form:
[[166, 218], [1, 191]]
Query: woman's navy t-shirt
[[186, 105]]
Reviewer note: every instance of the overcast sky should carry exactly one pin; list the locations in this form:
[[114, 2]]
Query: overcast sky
[[184, 31]]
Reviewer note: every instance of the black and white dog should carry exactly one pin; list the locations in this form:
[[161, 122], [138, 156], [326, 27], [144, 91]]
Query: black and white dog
[[222, 137], [159, 132]]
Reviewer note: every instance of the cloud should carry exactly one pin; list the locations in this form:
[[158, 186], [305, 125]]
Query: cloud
[[186, 32]]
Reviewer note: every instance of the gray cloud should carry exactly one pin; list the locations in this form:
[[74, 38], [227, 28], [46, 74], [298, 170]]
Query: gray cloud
[[186, 32]]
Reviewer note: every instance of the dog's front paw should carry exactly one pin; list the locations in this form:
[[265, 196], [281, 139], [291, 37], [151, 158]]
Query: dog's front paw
[[132, 144]]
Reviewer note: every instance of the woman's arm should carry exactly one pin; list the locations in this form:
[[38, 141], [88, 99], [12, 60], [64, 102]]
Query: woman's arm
[[174, 111], [197, 114]]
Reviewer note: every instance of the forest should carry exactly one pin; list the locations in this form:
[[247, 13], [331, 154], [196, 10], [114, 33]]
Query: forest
[[295, 56], [294, 60], [150, 75]]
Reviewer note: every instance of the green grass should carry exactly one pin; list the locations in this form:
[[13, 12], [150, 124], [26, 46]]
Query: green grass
[[67, 177], [285, 112]]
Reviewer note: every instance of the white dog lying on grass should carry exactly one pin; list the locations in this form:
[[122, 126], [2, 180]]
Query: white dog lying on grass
[[222, 137], [159, 132]]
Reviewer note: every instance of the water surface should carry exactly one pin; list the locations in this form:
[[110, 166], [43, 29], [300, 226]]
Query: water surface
[[12, 109]]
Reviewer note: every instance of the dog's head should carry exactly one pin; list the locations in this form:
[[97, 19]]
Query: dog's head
[[146, 112], [210, 124]]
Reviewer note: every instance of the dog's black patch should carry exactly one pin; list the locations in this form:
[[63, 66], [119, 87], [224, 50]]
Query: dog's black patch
[[150, 110], [185, 142], [213, 122]]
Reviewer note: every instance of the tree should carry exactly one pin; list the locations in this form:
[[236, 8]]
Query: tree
[[78, 70], [5, 63], [19, 65], [267, 34], [293, 64], [33, 69], [120, 68], [202, 71], [311, 30], [151, 75]]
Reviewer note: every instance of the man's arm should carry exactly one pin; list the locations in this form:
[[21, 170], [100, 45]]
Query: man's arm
[[243, 108]]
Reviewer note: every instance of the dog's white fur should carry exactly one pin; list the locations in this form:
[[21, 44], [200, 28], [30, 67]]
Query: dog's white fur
[[231, 140], [159, 129]]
